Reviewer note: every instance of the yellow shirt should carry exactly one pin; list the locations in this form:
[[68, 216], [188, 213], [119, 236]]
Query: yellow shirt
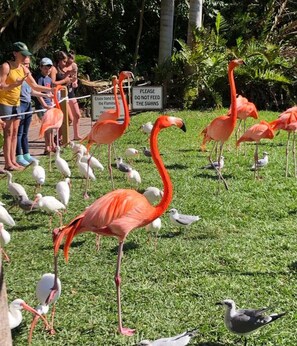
[[12, 97]]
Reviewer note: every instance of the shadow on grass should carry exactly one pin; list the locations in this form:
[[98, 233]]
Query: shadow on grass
[[211, 174], [73, 244], [127, 247], [170, 235], [22, 228], [176, 166], [293, 267]]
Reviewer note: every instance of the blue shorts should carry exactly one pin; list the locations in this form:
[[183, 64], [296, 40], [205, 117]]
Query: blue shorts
[[7, 111]]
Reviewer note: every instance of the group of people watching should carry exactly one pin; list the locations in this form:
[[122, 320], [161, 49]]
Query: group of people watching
[[17, 86]]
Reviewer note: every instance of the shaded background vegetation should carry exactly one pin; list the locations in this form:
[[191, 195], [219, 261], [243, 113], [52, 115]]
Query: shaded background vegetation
[[104, 34]]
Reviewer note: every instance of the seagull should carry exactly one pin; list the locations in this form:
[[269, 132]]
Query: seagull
[[26, 204], [147, 127], [261, 162], [181, 219], [146, 152], [178, 340], [216, 164], [153, 194], [61, 164], [246, 321], [4, 240], [122, 166]]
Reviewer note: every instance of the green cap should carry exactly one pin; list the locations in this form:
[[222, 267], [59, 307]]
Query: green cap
[[21, 47]]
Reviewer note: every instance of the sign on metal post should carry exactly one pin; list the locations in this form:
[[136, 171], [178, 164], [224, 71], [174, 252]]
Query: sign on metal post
[[104, 102], [147, 98]]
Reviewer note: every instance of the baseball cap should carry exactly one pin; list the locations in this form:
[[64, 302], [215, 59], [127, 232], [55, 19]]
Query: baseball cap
[[46, 61], [21, 47]]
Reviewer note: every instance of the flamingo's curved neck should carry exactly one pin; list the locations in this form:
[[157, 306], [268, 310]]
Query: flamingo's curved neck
[[116, 100], [168, 189], [57, 104], [125, 104], [233, 107]]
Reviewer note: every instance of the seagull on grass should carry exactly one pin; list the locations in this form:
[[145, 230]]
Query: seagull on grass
[[216, 164], [181, 219], [261, 162], [122, 166], [178, 340], [246, 321]]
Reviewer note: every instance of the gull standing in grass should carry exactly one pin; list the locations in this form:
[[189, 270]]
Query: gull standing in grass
[[178, 340], [261, 162], [26, 204], [215, 164], [61, 164], [43, 289], [4, 240], [181, 219], [15, 189], [246, 321], [146, 152], [122, 166]]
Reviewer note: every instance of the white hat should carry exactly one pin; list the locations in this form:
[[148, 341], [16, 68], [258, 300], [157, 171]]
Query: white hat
[[46, 61]]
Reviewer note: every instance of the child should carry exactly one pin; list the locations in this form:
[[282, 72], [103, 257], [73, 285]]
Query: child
[[46, 102]]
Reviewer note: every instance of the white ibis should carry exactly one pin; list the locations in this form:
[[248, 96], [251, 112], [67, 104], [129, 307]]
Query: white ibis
[[147, 127], [61, 164], [15, 315], [153, 194], [43, 289], [92, 161], [182, 220], [4, 240], [38, 174], [85, 171], [5, 217], [131, 152], [15, 189], [76, 147], [63, 191], [133, 176], [154, 227], [49, 204]]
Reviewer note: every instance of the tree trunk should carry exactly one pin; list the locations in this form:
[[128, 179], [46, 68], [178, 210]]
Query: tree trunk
[[195, 19], [5, 333], [141, 13], [166, 30]]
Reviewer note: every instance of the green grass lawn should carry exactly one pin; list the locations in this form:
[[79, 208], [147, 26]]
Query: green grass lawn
[[243, 248]]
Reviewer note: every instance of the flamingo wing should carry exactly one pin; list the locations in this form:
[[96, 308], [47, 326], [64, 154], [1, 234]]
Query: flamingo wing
[[52, 119]]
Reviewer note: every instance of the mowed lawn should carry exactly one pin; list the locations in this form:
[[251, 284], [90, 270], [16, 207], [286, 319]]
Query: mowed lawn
[[243, 248]]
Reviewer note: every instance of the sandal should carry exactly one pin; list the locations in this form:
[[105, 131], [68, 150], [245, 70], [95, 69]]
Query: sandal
[[11, 168]]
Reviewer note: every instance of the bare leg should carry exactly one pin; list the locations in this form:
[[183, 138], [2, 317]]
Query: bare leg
[[117, 279], [98, 238], [256, 158], [7, 259], [218, 170], [109, 166], [55, 287], [294, 154], [287, 154]]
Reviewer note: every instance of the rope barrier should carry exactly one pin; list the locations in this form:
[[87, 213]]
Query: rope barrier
[[65, 98]]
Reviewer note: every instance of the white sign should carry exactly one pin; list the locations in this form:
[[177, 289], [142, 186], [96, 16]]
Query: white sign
[[104, 102], [147, 97]]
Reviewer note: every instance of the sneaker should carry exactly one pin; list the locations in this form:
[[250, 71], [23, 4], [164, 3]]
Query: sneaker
[[21, 161], [29, 158]]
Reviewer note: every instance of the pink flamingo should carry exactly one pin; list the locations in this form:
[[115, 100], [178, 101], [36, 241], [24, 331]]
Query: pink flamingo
[[119, 212], [254, 134], [108, 131]]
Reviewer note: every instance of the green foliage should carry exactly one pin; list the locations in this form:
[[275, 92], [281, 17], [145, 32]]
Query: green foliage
[[244, 247]]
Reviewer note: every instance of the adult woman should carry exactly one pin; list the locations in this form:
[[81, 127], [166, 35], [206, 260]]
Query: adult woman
[[12, 74], [61, 75], [72, 67]]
